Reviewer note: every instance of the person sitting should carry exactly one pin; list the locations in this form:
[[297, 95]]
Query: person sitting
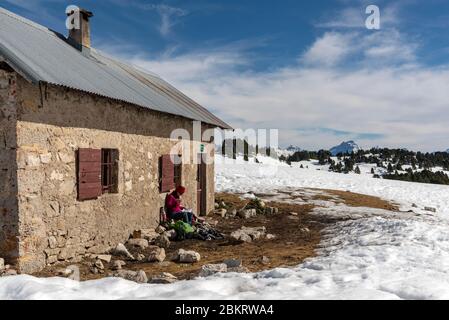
[[175, 210]]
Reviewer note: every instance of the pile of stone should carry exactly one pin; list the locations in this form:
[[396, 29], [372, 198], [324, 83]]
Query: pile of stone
[[256, 207], [224, 210], [247, 234], [136, 276], [6, 270], [183, 256], [163, 278], [71, 273], [141, 277], [228, 266]]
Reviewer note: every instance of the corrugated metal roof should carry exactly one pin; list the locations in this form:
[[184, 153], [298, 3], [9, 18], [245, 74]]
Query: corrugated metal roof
[[42, 55]]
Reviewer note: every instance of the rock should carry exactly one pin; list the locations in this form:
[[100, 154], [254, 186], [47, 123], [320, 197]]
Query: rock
[[221, 212], [118, 265], [264, 260], [255, 233], [162, 241], [247, 213], [121, 250], [164, 278], [232, 213], [430, 209], [233, 263], [9, 272], [136, 276], [157, 254], [239, 235], [140, 257], [211, 269], [294, 214], [184, 256], [270, 236], [249, 234], [105, 257], [138, 243], [244, 214], [71, 272], [52, 242], [2, 264], [414, 205], [160, 230], [245, 238], [305, 230], [149, 234], [240, 269], [137, 234], [99, 265], [171, 234]]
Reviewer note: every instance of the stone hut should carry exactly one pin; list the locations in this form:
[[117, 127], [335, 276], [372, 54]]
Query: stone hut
[[89, 146]]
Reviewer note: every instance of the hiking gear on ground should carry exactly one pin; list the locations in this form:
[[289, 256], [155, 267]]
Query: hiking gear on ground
[[206, 233], [183, 230]]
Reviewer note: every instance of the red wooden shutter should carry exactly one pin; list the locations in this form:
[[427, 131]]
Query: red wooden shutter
[[167, 174], [89, 174]]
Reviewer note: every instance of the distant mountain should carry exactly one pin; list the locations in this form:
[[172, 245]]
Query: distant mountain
[[287, 151], [345, 147], [293, 149]]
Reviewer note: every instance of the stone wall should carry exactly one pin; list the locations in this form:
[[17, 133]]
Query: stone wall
[[8, 169], [51, 127]]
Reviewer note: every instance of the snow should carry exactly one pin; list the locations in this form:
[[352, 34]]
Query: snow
[[372, 254], [244, 178]]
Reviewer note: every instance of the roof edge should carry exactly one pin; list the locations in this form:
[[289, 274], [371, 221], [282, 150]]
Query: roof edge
[[227, 127]]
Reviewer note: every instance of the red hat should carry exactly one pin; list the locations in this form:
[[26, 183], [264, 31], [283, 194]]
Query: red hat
[[181, 190]]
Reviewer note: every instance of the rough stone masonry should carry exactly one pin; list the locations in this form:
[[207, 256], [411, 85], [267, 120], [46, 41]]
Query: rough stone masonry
[[41, 128]]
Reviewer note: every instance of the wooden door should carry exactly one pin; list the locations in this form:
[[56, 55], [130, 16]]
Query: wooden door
[[202, 186]]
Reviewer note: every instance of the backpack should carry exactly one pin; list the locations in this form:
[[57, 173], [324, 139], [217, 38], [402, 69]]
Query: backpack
[[183, 230]]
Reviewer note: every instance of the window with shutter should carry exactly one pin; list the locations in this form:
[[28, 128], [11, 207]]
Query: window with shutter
[[178, 171], [109, 170], [89, 174], [166, 174]]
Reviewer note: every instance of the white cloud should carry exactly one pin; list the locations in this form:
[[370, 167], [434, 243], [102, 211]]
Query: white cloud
[[382, 91], [169, 17], [329, 50], [355, 17]]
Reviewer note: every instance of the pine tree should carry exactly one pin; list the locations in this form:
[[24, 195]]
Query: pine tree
[[246, 151], [390, 168]]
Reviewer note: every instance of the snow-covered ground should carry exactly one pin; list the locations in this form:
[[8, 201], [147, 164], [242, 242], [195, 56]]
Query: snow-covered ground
[[375, 255], [246, 177]]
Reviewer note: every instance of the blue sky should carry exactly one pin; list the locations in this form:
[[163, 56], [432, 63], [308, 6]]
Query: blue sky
[[308, 68]]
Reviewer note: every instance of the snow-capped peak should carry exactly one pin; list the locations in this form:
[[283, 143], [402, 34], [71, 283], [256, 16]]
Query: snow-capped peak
[[289, 151], [345, 147], [293, 148]]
